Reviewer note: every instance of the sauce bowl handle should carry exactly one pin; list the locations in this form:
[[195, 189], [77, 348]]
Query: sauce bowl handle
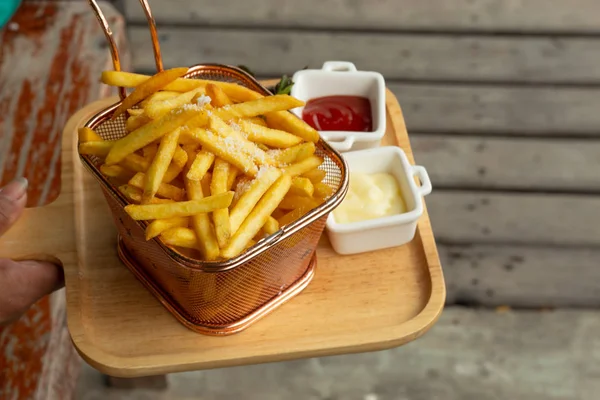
[[421, 173], [339, 66]]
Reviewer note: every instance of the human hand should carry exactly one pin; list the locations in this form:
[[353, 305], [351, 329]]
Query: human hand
[[22, 283]]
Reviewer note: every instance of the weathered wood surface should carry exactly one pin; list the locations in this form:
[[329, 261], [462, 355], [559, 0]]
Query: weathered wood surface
[[521, 276], [434, 15], [49, 62], [48, 69], [523, 218], [396, 56], [500, 110], [468, 355], [510, 163]]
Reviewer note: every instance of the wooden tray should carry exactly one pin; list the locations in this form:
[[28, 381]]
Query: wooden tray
[[355, 303]]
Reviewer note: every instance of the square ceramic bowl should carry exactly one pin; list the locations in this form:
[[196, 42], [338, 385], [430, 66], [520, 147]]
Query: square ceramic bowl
[[389, 231], [342, 79]]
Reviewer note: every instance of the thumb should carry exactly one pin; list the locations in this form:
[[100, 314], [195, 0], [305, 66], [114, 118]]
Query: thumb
[[12, 202], [22, 283]]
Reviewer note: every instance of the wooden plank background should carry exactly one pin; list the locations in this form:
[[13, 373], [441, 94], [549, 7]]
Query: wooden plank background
[[533, 16], [501, 100]]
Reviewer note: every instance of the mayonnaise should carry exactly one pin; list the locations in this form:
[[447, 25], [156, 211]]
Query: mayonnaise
[[370, 196]]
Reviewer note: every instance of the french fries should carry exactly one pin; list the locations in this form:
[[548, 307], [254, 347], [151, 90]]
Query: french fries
[[180, 237], [257, 107], [116, 171], [87, 135], [150, 86], [302, 187], [257, 188], [271, 226], [210, 168], [159, 226], [293, 154], [96, 148], [149, 133], [200, 165], [315, 175], [257, 218], [289, 123], [164, 190], [179, 209], [160, 164], [267, 136], [218, 185], [218, 97], [201, 222], [303, 166]]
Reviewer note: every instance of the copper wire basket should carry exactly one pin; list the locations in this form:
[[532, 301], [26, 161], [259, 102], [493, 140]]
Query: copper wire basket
[[216, 297]]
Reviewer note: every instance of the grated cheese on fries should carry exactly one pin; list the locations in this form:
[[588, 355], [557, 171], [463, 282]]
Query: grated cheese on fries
[[211, 166]]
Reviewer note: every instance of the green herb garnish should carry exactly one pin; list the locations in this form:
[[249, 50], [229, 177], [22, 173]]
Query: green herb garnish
[[284, 86]]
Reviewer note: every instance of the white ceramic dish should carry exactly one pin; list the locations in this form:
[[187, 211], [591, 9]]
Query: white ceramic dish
[[342, 78], [384, 232]]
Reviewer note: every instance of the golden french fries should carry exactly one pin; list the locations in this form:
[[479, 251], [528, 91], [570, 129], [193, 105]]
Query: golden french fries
[[179, 162], [157, 109], [225, 148], [292, 201], [303, 166], [149, 133], [96, 148], [179, 209], [213, 167], [201, 222], [257, 218], [257, 107], [218, 185], [158, 96], [180, 237], [292, 216], [158, 168], [247, 201], [268, 136], [302, 187], [135, 162], [150, 151], [88, 135], [293, 154], [136, 121], [200, 165], [117, 172], [164, 190], [148, 87], [271, 226], [315, 175], [289, 123], [134, 195], [129, 80], [322, 191], [158, 226], [218, 97]]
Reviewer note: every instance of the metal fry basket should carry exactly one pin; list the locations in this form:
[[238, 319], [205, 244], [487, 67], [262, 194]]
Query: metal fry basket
[[218, 297]]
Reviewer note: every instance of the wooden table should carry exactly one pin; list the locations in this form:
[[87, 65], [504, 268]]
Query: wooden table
[[51, 54]]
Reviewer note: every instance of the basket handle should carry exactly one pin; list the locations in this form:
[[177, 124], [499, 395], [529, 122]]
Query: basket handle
[[109, 37], [113, 46], [153, 35]]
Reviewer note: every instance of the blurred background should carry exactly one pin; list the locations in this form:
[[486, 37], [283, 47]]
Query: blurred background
[[502, 104]]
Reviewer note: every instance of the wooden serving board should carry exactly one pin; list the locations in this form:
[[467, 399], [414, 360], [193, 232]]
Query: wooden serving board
[[355, 303]]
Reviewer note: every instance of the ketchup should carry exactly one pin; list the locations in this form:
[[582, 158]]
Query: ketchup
[[339, 113]]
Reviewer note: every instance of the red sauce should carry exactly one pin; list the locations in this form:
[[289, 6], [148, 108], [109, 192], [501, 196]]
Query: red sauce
[[339, 113]]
